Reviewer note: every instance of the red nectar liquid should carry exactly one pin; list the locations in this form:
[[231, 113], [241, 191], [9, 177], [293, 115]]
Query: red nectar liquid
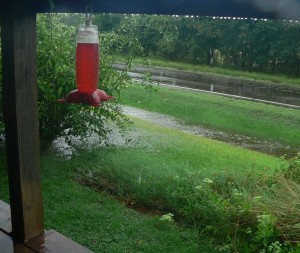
[[87, 67]]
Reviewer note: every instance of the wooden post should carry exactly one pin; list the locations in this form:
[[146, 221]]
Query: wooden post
[[18, 34]]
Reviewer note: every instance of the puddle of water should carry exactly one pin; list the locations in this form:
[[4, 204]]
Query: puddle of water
[[271, 148], [116, 138]]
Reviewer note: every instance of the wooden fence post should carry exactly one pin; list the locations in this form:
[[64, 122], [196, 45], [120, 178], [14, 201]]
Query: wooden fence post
[[18, 35]]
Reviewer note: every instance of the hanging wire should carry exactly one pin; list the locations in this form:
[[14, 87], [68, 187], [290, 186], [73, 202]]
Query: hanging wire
[[88, 15]]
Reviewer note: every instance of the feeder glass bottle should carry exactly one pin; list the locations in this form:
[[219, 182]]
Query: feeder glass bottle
[[87, 59]]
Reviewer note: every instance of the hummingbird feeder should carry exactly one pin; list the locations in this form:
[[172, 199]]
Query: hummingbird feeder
[[87, 68]]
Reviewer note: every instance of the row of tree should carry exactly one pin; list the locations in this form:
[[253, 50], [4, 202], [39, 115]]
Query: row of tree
[[246, 44]]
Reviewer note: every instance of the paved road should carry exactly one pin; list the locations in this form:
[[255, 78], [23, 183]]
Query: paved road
[[266, 92]]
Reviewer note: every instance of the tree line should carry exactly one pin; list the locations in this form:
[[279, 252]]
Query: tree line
[[268, 46]]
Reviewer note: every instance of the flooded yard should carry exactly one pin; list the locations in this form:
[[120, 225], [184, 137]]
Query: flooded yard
[[267, 147]]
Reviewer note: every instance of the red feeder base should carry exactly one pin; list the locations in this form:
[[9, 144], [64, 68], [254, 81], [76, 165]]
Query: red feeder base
[[93, 99]]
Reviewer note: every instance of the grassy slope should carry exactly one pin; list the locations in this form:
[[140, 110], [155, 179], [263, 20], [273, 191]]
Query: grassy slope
[[99, 222], [150, 170], [165, 152], [223, 71], [167, 168], [265, 122]]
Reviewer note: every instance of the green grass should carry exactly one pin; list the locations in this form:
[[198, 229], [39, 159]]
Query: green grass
[[99, 222], [169, 170], [280, 79], [265, 122], [163, 154], [166, 160]]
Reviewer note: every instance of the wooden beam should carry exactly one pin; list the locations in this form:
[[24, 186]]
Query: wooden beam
[[9, 246], [5, 220], [57, 243], [276, 9], [50, 242], [18, 34]]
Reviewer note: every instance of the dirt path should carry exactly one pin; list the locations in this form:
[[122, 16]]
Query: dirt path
[[272, 148]]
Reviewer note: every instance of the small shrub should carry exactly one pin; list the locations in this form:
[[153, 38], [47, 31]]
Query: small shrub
[[56, 78], [169, 217]]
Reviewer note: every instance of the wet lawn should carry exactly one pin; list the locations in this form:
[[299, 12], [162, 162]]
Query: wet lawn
[[209, 187], [256, 120], [98, 221]]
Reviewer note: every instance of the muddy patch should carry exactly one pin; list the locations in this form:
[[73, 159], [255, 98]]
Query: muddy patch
[[109, 187]]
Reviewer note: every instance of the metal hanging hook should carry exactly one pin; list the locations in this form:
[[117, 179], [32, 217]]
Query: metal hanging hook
[[88, 15]]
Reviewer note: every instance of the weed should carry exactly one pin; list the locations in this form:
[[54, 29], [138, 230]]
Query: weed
[[167, 217]]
